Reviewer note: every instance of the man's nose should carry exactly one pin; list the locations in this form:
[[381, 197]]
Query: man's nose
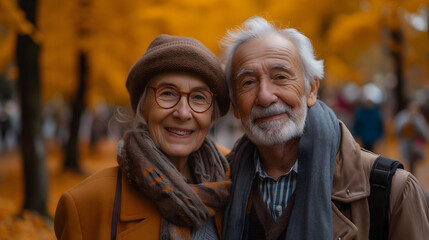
[[266, 94]]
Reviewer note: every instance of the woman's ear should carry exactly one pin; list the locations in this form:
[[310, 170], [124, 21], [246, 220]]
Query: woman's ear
[[312, 92], [143, 113], [143, 108]]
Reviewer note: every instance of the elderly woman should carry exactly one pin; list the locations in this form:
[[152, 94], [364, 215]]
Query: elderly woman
[[172, 180]]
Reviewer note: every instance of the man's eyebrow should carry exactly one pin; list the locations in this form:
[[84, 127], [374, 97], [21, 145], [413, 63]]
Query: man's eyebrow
[[280, 66], [243, 72]]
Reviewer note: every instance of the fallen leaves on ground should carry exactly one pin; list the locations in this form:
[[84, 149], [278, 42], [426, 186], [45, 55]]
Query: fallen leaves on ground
[[16, 224], [28, 225]]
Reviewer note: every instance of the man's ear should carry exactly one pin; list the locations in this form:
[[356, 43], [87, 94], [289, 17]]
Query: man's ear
[[236, 114], [312, 92]]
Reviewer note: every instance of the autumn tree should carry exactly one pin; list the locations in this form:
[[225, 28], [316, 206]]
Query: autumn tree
[[83, 31], [32, 147]]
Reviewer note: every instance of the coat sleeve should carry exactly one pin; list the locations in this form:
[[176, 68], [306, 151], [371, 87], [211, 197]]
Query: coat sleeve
[[409, 214], [67, 224]]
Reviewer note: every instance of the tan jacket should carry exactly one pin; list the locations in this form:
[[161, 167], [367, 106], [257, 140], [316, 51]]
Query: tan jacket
[[85, 211], [408, 213]]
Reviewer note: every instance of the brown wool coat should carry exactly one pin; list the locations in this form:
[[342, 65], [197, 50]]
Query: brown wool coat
[[408, 213], [85, 211]]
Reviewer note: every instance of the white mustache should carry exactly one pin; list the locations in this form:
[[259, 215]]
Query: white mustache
[[274, 109]]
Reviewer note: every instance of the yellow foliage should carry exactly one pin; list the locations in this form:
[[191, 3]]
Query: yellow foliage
[[7, 49], [339, 71], [14, 19], [347, 29], [409, 5]]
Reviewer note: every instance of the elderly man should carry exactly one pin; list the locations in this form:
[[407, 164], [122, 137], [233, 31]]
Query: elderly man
[[297, 172]]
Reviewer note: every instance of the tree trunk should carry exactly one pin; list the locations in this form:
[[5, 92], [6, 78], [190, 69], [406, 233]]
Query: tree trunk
[[78, 105], [32, 147], [396, 53]]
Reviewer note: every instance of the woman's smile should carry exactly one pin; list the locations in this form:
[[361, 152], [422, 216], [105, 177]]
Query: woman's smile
[[179, 132]]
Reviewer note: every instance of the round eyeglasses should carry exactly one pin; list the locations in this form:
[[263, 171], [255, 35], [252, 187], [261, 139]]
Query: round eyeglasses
[[199, 100]]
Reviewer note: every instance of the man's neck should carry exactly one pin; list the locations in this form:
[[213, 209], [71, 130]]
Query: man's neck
[[278, 159]]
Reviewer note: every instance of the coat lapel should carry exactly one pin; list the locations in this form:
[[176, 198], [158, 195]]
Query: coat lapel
[[350, 182], [134, 206], [138, 215], [343, 227], [351, 186]]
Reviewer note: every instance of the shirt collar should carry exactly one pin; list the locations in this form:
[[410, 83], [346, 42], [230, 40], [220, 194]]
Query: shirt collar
[[261, 173]]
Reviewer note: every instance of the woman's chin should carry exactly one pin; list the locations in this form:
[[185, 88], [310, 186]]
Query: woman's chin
[[179, 151]]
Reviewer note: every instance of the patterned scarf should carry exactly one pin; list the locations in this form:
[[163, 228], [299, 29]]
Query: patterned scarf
[[182, 205]]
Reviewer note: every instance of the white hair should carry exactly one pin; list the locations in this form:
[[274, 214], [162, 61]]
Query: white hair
[[257, 27]]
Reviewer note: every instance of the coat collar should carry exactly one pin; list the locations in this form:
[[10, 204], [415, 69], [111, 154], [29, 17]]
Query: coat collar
[[350, 179], [134, 206]]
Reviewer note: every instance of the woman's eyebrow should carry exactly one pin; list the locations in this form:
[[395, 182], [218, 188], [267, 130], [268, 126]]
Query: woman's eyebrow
[[201, 88], [166, 84], [174, 85]]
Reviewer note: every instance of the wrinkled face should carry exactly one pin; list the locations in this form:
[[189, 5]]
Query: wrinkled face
[[177, 131], [270, 90]]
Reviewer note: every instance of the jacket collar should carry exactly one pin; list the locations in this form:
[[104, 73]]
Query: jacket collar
[[350, 180], [134, 206]]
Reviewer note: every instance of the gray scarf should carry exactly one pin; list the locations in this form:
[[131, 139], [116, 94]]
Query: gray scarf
[[311, 216]]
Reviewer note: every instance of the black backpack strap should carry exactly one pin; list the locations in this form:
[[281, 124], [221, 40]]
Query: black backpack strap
[[380, 179]]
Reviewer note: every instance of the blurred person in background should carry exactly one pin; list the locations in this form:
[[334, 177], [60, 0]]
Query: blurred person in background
[[9, 124], [368, 124], [298, 173], [4, 125], [99, 129], [412, 131], [172, 180]]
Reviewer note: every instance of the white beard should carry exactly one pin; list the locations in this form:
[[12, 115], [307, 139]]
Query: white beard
[[276, 131]]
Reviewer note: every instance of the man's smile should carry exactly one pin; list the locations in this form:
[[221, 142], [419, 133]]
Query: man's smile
[[271, 117]]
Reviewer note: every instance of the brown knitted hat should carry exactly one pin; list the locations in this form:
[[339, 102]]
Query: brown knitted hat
[[168, 54]]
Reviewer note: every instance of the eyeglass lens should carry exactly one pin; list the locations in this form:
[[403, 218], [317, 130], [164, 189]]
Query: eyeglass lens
[[198, 100]]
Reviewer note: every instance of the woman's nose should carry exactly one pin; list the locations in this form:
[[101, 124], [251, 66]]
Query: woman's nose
[[182, 109]]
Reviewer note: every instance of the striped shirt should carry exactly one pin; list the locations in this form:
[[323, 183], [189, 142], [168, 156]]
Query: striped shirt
[[276, 193]]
